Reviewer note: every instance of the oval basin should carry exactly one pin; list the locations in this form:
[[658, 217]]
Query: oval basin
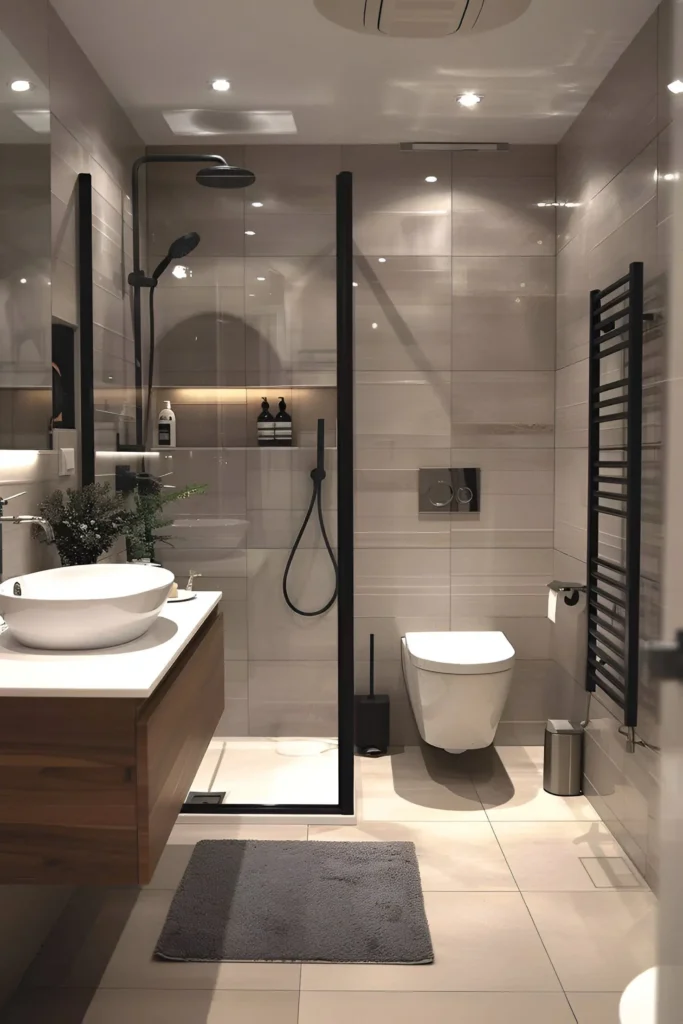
[[84, 607]]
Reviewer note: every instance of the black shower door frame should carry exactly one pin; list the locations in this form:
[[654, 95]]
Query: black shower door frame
[[345, 526]]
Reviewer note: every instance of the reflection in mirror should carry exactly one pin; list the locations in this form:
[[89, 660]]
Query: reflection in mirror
[[25, 255]]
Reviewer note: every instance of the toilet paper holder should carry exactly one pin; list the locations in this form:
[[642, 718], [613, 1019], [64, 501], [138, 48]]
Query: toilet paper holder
[[571, 591]]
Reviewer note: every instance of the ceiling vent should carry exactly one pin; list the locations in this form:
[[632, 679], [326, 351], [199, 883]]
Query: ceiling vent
[[421, 19]]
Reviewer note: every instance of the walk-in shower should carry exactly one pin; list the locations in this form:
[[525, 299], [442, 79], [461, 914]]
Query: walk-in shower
[[273, 528]]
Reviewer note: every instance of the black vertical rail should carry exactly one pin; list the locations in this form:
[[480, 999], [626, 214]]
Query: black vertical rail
[[634, 462], [593, 455], [345, 482], [85, 328]]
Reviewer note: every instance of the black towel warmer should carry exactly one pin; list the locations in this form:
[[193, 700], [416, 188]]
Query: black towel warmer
[[615, 415]]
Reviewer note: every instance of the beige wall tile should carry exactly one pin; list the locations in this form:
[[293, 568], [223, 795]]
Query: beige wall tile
[[502, 217], [504, 313]]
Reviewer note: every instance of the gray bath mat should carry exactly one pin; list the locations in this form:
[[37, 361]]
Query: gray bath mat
[[310, 902]]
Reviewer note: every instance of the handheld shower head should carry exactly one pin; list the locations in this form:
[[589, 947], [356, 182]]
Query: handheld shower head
[[182, 246], [224, 176]]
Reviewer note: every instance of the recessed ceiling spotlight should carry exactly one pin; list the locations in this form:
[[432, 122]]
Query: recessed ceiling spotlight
[[220, 85], [257, 206], [382, 259], [431, 178], [355, 284], [20, 85], [469, 100], [676, 86], [250, 232], [375, 326], [22, 280], [260, 278]]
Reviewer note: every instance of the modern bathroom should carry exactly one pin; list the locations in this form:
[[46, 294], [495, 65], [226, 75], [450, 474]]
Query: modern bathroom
[[341, 637]]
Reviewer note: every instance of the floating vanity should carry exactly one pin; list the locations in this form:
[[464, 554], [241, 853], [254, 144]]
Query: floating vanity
[[99, 748]]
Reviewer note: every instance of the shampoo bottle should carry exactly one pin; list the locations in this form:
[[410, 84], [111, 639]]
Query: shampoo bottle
[[283, 426], [167, 427], [265, 425]]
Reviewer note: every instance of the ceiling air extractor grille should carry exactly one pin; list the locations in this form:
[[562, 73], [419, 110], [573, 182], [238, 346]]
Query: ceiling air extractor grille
[[421, 19]]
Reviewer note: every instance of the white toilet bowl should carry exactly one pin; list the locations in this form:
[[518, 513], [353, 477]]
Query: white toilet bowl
[[458, 684]]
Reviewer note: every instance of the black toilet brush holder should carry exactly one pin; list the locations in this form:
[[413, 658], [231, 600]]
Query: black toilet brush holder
[[372, 716]]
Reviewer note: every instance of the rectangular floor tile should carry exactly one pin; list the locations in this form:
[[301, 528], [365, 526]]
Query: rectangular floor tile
[[141, 1006], [183, 839], [510, 786], [483, 942], [453, 857], [595, 1007], [112, 947], [552, 855], [598, 941], [434, 1007], [405, 787]]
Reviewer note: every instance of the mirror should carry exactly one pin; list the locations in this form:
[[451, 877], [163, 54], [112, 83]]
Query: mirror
[[26, 364]]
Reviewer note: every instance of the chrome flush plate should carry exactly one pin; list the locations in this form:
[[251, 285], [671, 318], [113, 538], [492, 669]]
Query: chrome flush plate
[[451, 491]]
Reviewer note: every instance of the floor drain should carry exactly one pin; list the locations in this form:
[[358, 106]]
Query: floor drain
[[196, 797]]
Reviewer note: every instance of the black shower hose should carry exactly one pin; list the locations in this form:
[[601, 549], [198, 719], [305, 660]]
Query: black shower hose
[[317, 476]]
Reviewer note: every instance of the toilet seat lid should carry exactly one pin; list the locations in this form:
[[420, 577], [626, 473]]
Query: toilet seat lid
[[461, 653]]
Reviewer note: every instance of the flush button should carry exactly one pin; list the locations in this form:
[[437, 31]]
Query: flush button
[[441, 494], [451, 491]]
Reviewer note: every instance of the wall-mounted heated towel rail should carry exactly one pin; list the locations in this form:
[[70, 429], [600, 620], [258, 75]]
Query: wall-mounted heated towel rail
[[615, 413]]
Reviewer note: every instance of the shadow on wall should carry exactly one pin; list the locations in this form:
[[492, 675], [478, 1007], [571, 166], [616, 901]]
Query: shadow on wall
[[210, 350]]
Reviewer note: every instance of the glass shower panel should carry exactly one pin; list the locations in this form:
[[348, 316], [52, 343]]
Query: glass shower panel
[[251, 313]]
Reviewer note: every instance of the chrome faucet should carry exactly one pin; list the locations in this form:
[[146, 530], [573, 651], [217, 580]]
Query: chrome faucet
[[22, 520]]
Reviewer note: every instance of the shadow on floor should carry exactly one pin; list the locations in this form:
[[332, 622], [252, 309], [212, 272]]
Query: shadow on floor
[[455, 775]]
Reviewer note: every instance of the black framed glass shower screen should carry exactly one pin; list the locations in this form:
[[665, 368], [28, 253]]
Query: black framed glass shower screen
[[305, 761]]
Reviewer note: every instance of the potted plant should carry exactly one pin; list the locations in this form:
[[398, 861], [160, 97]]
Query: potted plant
[[85, 522], [148, 517]]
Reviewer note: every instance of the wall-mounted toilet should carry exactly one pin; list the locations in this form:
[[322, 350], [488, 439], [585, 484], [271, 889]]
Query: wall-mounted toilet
[[458, 684]]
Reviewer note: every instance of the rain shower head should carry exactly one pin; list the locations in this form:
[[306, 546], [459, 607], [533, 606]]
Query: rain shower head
[[224, 176], [182, 246]]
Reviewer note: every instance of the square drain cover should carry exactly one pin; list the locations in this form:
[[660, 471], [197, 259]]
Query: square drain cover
[[195, 797], [610, 873]]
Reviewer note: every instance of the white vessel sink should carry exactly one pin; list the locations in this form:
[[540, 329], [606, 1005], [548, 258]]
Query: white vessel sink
[[84, 607]]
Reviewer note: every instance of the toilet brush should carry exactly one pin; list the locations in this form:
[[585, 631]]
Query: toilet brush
[[372, 716]]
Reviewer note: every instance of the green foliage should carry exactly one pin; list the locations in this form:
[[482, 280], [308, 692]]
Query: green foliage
[[86, 522], [149, 517]]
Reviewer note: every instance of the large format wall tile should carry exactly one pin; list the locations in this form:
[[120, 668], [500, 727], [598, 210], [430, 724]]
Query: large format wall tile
[[403, 314], [400, 410], [503, 313], [503, 409], [402, 582], [290, 313], [296, 187], [397, 213], [275, 632], [502, 216]]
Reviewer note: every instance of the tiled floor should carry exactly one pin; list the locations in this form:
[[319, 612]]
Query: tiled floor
[[536, 917], [285, 770]]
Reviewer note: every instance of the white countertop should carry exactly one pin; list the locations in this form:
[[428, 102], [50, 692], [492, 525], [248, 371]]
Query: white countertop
[[131, 670]]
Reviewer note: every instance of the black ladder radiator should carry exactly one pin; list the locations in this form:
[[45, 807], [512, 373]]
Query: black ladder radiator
[[615, 415]]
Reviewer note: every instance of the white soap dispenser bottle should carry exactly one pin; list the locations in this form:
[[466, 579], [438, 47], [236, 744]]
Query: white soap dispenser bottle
[[167, 427]]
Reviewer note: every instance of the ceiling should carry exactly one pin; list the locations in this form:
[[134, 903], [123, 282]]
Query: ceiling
[[12, 129], [535, 75]]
